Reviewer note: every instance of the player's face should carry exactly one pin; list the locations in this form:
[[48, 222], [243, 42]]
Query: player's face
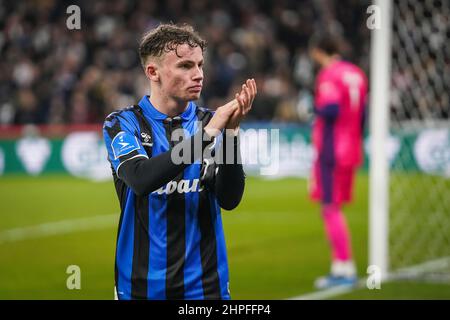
[[316, 55], [181, 73]]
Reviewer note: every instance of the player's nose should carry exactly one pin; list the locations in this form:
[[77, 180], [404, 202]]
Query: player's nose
[[198, 74]]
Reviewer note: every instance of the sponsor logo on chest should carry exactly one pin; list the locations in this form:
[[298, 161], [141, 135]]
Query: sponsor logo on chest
[[182, 186]]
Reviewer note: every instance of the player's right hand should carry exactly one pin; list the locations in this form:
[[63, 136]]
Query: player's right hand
[[221, 117]]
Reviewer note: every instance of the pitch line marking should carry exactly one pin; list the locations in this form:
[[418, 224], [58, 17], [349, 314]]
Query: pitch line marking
[[58, 227], [329, 293]]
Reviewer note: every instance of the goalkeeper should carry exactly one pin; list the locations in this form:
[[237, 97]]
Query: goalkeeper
[[339, 107]]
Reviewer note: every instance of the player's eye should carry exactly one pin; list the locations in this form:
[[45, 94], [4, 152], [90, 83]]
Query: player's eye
[[185, 66]]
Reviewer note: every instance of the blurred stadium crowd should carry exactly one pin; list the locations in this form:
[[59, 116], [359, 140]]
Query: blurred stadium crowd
[[52, 75]]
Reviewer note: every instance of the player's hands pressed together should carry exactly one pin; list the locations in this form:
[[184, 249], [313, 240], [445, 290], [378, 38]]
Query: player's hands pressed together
[[245, 99], [230, 115], [221, 118]]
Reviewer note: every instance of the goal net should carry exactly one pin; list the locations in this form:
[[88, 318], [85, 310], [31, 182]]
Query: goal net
[[418, 145]]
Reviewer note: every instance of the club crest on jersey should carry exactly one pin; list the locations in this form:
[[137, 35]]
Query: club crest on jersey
[[123, 144], [146, 139], [182, 186]]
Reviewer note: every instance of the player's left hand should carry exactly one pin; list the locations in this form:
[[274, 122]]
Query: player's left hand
[[245, 99]]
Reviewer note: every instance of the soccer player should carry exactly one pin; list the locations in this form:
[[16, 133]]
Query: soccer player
[[170, 242], [339, 107]]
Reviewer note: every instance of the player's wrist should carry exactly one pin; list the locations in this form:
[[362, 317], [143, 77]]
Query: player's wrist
[[232, 132], [211, 132]]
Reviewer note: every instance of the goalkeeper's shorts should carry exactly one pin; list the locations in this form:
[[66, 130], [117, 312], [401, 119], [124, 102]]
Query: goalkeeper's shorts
[[331, 184]]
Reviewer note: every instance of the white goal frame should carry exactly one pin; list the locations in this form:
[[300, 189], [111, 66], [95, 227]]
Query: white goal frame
[[380, 65]]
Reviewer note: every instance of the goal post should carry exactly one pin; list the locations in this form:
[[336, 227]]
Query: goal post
[[379, 127]]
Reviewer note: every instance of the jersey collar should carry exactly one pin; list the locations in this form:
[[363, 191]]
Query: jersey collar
[[152, 112]]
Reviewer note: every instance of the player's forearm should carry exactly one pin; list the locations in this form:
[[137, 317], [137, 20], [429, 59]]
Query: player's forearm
[[144, 176], [230, 185], [230, 179]]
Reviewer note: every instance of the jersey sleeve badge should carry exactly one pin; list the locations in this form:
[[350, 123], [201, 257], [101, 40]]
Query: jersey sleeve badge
[[123, 144]]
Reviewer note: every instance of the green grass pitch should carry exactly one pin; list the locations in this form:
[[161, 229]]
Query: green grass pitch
[[275, 240]]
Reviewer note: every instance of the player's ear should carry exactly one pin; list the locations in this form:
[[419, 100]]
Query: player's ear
[[152, 71]]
